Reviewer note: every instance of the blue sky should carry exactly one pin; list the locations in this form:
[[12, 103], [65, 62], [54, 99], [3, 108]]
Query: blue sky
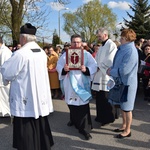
[[118, 7]]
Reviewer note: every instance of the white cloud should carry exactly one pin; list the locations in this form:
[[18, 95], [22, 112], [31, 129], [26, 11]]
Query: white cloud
[[123, 5], [86, 1], [56, 6]]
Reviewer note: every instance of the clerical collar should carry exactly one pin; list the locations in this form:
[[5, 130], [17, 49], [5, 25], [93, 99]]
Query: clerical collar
[[103, 43]]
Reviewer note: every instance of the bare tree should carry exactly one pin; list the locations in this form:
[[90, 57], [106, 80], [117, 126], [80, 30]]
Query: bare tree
[[13, 13], [16, 18], [5, 17]]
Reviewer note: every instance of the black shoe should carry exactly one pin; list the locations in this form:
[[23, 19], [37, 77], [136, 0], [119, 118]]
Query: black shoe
[[70, 123], [86, 135], [118, 130], [119, 136]]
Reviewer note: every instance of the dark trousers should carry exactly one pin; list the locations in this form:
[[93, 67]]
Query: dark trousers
[[80, 117], [104, 110]]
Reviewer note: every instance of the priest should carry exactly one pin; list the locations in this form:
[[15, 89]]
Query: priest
[[76, 85], [30, 97]]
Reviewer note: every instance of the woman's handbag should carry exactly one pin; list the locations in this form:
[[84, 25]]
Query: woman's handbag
[[118, 93]]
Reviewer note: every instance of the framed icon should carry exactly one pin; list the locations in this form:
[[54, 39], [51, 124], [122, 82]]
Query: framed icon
[[74, 58]]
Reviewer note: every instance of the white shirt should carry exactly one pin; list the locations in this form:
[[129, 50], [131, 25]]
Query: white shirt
[[30, 91]]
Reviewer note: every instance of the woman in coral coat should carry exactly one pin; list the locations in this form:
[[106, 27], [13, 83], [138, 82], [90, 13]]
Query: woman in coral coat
[[53, 74]]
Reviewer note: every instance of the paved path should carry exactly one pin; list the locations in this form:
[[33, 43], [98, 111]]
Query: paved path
[[68, 138]]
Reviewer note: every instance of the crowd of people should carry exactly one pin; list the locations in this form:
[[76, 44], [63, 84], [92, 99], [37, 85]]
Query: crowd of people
[[30, 77]]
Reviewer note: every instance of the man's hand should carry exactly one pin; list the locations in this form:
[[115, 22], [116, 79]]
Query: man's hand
[[108, 71], [66, 68], [83, 68]]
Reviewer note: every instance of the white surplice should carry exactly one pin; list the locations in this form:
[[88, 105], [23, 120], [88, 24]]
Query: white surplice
[[30, 90], [104, 59], [5, 53], [71, 97]]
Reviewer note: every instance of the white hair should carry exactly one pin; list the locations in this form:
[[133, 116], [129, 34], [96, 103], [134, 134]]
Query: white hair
[[29, 37]]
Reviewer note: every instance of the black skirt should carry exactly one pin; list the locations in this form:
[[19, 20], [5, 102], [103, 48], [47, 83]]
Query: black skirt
[[32, 134], [80, 117], [104, 110]]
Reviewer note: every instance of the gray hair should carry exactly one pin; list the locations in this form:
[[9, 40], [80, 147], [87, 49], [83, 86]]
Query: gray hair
[[102, 30], [29, 37]]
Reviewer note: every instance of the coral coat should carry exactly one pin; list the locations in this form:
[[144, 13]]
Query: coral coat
[[53, 74]]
